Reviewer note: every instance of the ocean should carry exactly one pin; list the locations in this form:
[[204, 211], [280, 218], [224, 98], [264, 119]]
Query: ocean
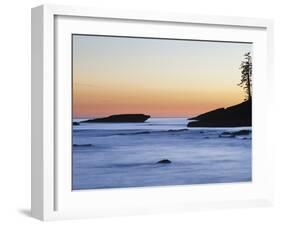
[[120, 155]]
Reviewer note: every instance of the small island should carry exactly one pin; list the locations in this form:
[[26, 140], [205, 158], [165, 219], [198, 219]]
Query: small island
[[121, 118]]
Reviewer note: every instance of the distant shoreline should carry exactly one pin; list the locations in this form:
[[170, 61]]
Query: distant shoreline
[[150, 117]]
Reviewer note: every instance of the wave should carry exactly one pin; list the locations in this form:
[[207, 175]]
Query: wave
[[148, 164], [134, 133]]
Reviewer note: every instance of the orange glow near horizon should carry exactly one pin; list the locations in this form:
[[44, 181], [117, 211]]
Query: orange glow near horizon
[[162, 78]]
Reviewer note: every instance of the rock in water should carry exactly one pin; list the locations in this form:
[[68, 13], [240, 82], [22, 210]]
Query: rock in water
[[242, 132], [164, 161], [120, 118], [235, 133], [226, 135], [75, 124]]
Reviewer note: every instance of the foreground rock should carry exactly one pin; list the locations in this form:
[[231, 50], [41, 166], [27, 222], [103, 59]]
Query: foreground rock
[[164, 161], [234, 116], [242, 132], [235, 133], [121, 118]]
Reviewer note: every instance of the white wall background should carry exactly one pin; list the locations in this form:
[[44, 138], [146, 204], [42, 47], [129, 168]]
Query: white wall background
[[15, 111]]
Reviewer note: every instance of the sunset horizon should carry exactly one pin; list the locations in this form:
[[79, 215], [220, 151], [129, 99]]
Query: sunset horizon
[[158, 77], [152, 115], [160, 112]]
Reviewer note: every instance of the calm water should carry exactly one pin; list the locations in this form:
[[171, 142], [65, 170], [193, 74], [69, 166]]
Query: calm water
[[114, 155]]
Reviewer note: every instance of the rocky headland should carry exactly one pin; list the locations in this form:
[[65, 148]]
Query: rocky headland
[[234, 116]]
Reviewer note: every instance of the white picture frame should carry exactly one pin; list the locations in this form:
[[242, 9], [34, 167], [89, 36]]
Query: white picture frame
[[51, 197]]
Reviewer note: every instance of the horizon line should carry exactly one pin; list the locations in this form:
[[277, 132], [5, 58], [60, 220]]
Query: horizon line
[[186, 116]]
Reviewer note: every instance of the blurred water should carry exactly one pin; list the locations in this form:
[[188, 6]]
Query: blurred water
[[113, 155]]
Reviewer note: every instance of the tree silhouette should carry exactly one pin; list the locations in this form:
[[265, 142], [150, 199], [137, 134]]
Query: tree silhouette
[[246, 77]]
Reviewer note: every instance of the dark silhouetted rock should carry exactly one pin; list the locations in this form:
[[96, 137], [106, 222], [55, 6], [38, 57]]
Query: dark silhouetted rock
[[235, 133], [82, 145], [121, 118], [164, 161], [75, 124], [234, 116], [242, 132], [176, 130]]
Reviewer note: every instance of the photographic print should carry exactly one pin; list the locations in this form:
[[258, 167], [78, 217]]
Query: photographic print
[[159, 112]]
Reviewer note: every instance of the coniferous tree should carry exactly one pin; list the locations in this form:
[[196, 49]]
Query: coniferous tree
[[246, 77]]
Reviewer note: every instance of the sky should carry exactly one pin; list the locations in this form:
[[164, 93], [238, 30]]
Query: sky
[[159, 77]]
